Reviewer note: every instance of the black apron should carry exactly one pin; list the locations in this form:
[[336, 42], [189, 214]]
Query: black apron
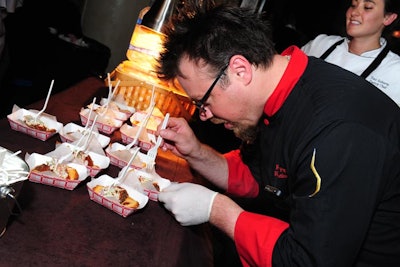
[[370, 68]]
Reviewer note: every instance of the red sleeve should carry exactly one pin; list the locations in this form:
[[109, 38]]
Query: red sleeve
[[255, 238], [240, 180]]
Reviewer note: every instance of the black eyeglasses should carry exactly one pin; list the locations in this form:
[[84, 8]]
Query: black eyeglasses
[[200, 104]]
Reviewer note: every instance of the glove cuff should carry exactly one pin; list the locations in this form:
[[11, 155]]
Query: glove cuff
[[210, 205]]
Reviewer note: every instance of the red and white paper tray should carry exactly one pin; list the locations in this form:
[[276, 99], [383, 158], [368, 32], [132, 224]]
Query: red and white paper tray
[[147, 182], [146, 140], [50, 177], [119, 156], [108, 111], [111, 202], [72, 132], [104, 124], [43, 128], [120, 107], [94, 162], [151, 127]]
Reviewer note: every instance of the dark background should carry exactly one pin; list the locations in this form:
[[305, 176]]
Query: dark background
[[34, 56]]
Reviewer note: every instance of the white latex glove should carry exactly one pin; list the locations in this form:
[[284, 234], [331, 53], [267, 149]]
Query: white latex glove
[[189, 203]]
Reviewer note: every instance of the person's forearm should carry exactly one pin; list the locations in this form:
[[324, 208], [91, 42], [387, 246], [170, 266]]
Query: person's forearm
[[224, 214], [210, 164]]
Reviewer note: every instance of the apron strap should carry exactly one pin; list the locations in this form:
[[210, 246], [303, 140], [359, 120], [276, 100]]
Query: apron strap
[[376, 62], [370, 68], [330, 49]]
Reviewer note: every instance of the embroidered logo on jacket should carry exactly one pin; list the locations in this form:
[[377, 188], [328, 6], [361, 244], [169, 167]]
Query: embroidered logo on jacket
[[280, 172]]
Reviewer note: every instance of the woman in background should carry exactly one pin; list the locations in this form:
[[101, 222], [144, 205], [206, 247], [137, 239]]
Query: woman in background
[[364, 51]]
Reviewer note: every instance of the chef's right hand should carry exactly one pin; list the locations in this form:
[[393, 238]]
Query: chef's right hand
[[180, 138]]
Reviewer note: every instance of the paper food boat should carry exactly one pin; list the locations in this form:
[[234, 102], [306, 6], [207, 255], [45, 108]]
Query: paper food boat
[[146, 140], [108, 112], [119, 156], [100, 162], [112, 203], [50, 178], [149, 183], [120, 107], [104, 124], [72, 132], [138, 117], [16, 120]]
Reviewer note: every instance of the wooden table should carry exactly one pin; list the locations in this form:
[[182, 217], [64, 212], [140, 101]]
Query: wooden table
[[58, 227]]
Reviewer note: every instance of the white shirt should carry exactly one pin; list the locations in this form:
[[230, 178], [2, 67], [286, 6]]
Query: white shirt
[[386, 76]]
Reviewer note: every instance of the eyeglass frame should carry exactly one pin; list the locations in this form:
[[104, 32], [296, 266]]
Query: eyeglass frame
[[200, 103]]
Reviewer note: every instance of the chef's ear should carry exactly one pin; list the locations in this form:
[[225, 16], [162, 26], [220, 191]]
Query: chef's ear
[[241, 69]]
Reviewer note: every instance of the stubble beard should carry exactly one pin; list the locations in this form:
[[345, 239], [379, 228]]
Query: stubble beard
[[246, 133]]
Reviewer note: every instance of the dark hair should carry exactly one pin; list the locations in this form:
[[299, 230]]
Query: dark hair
[[391, 6], [214, 34]]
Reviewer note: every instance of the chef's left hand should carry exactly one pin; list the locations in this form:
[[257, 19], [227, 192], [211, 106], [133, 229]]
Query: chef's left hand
[[190, 203]]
